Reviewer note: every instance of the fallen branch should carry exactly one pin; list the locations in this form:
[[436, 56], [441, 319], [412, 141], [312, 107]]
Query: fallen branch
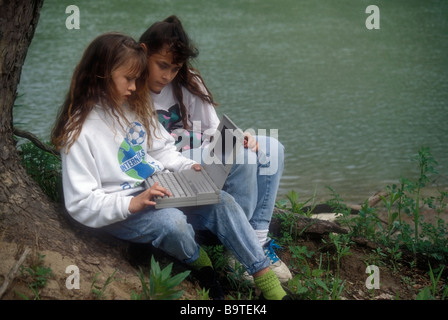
[[316, 225], [35, 140], [354, 208], [372, 201], [12, 273], [305, 225]]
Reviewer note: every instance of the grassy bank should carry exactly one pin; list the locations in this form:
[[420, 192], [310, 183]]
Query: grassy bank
[[402, 239]]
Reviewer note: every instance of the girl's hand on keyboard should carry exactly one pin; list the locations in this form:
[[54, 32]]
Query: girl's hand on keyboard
[[144, 199], [196, 167]]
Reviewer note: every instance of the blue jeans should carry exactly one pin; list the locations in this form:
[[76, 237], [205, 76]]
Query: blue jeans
[[254, 184], [254, 179], [172, 231]]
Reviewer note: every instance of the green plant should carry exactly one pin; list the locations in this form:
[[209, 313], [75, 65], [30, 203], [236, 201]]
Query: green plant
[[218, 256], [376, 257], [203, 294], [39, 275], [431, 293], [425, 163], [235, 276], [341, 243], [434, 240], [295, 205], [394, 254], [299, 258], [334, 286], [161, 285], [443, 195], [405, 197], [289, 222], [241, 296], [366, 222], [316, 284], [42, 167], [425, 237], [395, 195], [304, 283], [237, 279], [336, 202], [99, 291], [338, 205], [428, 239]]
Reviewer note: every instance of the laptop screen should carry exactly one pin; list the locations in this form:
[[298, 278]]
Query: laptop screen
[[225, 146], [221, 152]]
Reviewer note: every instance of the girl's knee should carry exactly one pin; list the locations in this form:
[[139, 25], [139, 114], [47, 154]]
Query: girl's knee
[[171, 221], [230, 207]]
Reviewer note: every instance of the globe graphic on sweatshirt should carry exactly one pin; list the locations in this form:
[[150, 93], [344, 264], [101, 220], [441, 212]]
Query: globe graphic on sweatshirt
[[131, 155]]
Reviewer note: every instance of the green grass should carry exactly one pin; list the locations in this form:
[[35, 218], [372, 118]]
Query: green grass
[[36, 275]]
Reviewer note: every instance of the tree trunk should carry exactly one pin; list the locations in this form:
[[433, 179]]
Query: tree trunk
[[27, 216], [18, 196]]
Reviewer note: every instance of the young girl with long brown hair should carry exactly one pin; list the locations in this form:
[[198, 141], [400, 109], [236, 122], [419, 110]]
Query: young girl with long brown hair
[[182, 100]]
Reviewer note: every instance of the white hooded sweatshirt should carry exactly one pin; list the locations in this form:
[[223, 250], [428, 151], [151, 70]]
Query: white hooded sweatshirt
[[108, 163]]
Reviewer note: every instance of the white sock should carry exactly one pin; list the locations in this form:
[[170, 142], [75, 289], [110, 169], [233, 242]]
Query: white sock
[[262, 236]]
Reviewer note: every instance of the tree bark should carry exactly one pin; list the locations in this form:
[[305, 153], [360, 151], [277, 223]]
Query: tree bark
[[27, 216], [17, 194]]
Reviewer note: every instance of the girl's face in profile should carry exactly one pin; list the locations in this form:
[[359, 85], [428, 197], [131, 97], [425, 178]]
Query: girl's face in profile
[[161, 70], [124, 82]]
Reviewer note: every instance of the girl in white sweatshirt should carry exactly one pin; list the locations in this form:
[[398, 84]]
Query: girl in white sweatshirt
[[186, 108], [110, 141]]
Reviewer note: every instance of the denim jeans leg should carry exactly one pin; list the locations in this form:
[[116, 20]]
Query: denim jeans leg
[[229, 223], [166, 229], [254, 183], [242, 183], [270, 170]]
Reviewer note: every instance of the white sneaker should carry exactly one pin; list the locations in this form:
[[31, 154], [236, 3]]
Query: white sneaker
[[278, 266], [280, 269]]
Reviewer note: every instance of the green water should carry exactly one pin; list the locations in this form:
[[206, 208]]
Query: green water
[[351, 104]]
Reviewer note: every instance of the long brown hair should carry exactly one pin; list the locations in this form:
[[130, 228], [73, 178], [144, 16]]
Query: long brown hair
[[170, 34], [92, 85]]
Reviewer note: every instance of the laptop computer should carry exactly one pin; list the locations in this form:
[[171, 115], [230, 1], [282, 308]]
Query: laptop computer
[[193, 188]]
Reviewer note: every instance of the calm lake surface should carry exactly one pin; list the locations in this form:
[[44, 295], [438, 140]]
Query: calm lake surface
[[351, 105]]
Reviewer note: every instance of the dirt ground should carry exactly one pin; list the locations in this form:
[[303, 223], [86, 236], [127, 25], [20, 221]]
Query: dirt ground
[[401, 282]]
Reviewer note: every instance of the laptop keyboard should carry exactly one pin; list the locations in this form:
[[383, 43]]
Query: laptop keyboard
[[182, 184], [199, 181], [173, 182]]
